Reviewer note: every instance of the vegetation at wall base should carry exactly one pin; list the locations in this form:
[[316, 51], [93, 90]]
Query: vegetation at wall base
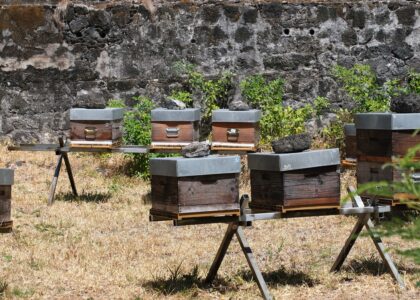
[[368, 95], [278, 120], [210, 93], [137, 130]]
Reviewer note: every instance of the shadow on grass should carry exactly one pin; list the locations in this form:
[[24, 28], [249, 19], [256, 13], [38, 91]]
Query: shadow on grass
[[85, 197], [373, 266], [283, 277], [186, 283]]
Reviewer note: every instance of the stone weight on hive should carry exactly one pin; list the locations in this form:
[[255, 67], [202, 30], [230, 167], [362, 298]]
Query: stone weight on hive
[[380, 137], [235, 130], [194, 187], [173, 128], [95, 128], [295, 181], [6, 182]]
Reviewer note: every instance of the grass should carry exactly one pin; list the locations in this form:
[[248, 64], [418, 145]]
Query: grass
[[101, 245]]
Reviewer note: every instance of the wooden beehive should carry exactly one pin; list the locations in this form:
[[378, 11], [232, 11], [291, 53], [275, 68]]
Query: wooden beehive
[[350, 141], [173, 129], [235, 130], [6, 182], [96, 128], [380, 138], [195, 187], [295, 181]]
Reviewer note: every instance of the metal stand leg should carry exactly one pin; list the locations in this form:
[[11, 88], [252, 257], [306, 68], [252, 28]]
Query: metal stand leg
[[252, 263], [221, 252], [54, 181], [364, 221], [61, 156], [350, 242], [68, 167], [235, 229]]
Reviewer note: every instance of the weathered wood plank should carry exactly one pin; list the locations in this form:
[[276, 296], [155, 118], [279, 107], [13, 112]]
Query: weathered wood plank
[[247, 132], [302, 188], [213, 194], [215, 189], [5, 203], [385, 143], [404, 140], [351, 146], [374, 142], [95, 131], [186, 131]]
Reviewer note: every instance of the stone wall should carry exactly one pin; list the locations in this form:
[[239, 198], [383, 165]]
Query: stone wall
[[55, 55]]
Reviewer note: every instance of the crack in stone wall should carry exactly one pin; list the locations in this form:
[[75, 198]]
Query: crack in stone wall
[[54, 56]]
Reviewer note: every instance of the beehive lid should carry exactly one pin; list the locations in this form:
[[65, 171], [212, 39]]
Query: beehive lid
[[350, 129], [387, 121], [293, 161], [93, 114], [175, 115], [230, 116], [200, 166], [6, 176]]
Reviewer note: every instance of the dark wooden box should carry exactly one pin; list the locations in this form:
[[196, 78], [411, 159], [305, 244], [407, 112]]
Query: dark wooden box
[[350, 141], [195, 187], [172, 129], [232, 130], [382, 145], [95, 127], [6, 182], [380, 137], [295, 181], [368, 172]]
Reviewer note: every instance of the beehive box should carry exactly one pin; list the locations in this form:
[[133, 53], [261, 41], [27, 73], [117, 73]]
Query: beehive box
[[95, 127], [295, 181], [350, 141], [173, 129], [6, 182], [194, 187], [380, 137], [235, 130]]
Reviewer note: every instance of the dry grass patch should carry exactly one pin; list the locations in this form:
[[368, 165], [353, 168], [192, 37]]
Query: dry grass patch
[[101, 245]]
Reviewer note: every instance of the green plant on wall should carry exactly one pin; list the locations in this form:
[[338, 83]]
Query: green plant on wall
[[368, 95], [362, 86], [413, 82], [183, 96], [277, 119], [215, 92], [137, 131]]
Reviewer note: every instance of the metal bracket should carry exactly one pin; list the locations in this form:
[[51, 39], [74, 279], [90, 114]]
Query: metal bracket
[[364, 221], [232, 134], [172, 132], [90, 133]]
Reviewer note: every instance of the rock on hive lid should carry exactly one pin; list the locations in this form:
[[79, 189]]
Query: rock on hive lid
[[175, 115], [387, 121], [96, 114], [6, 176], [350, 129], [230, 116], [201, 166], [293, 161]]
